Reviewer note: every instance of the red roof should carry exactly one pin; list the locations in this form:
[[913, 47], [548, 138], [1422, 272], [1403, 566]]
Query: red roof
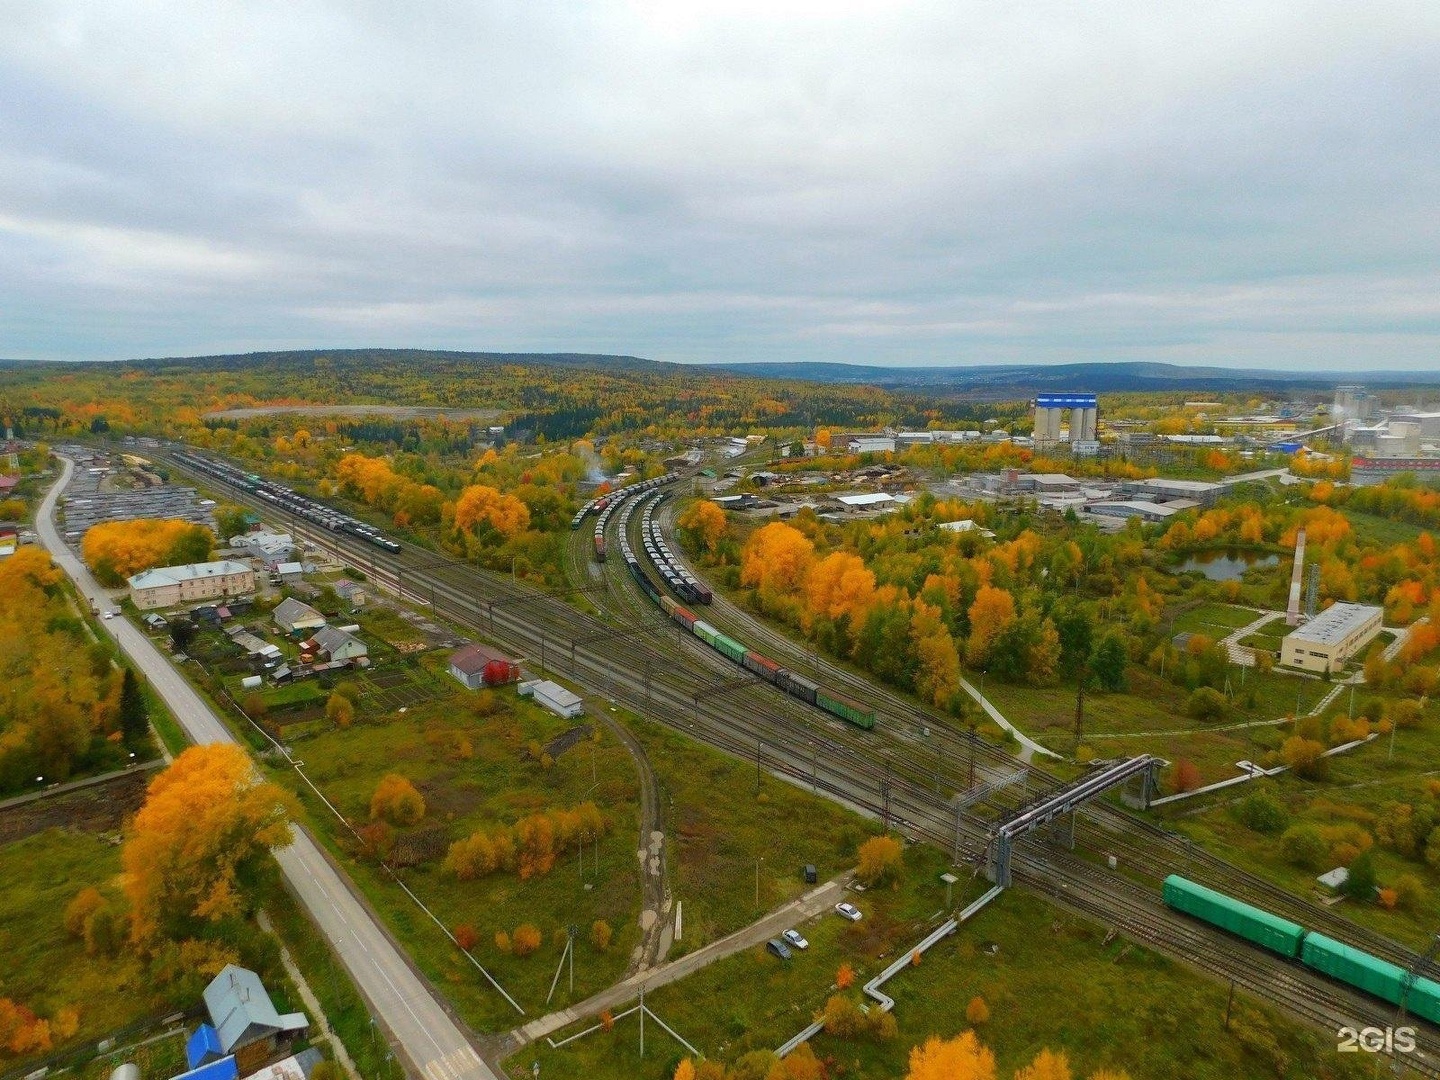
[[8, 482], [474, 659]]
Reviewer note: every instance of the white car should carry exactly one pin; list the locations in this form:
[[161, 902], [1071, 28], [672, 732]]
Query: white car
[[848, 911], [794, 940], [109, 615]]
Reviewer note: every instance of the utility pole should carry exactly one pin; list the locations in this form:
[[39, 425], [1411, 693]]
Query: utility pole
[[1079, 710], [971, 782]]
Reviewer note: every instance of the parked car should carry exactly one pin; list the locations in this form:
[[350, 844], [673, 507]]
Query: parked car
[[778, 948], [109, 614], [848, 911], [794, 940]]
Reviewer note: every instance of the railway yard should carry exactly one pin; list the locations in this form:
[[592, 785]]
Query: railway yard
[[618, 635]]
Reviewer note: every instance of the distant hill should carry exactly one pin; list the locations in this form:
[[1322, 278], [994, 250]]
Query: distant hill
[[391, 356], [1028, 379]]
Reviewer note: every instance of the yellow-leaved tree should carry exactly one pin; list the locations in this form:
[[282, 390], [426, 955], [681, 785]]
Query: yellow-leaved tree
[[1046, 1065], [961, 1058], [705, 523], [204, 820]]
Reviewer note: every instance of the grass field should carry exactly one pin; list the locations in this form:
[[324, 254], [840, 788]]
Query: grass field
[[1214, 620], [1384, 531], [1050, 979], [722, 831], [1150, 717], [478, 771], [41, 965]]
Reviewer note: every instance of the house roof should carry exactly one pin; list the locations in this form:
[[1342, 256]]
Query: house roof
[[242, 1011], [8, 482], [870, 498], [161, 576], [290, 568], [204, 1043], [473, 659], [1335, 623], [332, 639], [293, 611]]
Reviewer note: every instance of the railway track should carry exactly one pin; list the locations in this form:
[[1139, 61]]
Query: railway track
[[1142, 843], [660, 679]]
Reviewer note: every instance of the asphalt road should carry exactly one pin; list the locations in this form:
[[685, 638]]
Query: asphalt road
[[424, 1032]]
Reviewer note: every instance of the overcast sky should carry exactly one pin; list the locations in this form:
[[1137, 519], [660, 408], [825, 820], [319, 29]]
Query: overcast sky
[[1247, 184]]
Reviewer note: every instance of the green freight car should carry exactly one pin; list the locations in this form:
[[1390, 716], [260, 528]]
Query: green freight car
[[719, 642], [844, 708], [1264, 929], [1371, 974]]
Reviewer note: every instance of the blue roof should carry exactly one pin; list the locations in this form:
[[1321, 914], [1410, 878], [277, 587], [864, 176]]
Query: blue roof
[[203, 1046], [224, 1069]]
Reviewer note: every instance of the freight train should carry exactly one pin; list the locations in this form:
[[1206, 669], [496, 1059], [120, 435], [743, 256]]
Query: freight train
[[612, 502], [1349, 965], [288, 499], [685, 585]]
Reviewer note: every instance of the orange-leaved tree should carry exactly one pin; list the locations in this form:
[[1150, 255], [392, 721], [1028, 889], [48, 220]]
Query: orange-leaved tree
[[395, 800], [205, 820], [776, 559], [992, 611], [117, 549], [961, 1058], [483, 511], [839, 584]]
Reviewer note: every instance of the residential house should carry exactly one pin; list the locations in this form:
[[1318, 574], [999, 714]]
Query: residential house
[[245, 1022], [168, 586], [336, 645], [477, 666], [294, 617]]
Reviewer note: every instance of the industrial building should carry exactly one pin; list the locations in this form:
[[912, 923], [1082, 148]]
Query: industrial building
[[1330, 639], [1084, 410], [1160, 489], [167, 586]]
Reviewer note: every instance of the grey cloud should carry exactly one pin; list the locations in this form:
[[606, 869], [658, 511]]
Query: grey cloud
[[1246, 183]]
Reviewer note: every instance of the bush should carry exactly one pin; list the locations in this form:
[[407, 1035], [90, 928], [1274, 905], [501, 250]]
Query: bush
[[1305, 847], [1305, 757], [1263, 814], [1186, 775], [842, 1017], [600, 935], [1409, 892], [1207, 704], [87, 901], [526, 939], [502, 941], [977, 1012], [466, 937], [1407, 713]]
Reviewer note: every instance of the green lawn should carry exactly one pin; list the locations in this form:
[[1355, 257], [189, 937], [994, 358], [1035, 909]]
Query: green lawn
[[1150, 717], [1214, 620], [41, 965], [1050, 979], [1366, 779], [722, 830], [477, 771], [1383, 531]]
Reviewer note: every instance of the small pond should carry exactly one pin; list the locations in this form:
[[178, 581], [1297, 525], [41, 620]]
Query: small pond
[[1226, 565]]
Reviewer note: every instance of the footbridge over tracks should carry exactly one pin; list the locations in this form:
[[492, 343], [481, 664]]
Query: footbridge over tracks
[[1057, 802]]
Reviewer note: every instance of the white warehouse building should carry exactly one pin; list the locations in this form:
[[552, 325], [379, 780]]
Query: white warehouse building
[[1327, 641]]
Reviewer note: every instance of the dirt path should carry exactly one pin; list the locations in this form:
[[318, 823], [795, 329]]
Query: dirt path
[[656, 926]]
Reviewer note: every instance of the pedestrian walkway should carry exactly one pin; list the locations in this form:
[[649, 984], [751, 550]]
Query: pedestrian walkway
[[1028, 746], [769, 926], [1243, 654]]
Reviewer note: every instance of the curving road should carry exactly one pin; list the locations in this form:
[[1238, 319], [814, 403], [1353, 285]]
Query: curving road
[[431, 1042]]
